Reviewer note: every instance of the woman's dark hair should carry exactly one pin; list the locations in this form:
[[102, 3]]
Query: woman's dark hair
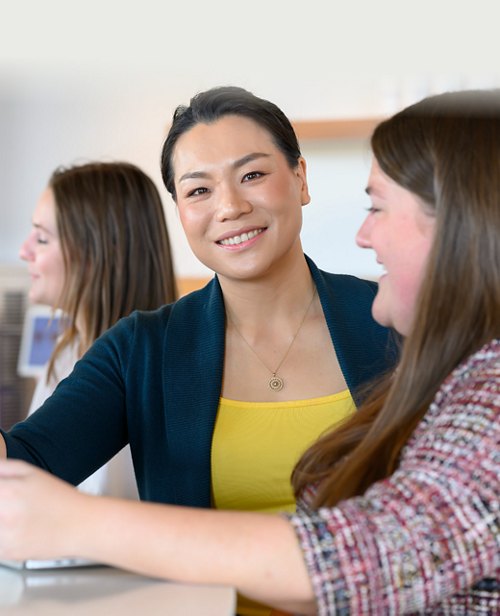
[[115, 245], [211, 105], [446, 150]]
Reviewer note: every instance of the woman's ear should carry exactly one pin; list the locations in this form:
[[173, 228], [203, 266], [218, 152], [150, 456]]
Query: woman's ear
[[301, 171]]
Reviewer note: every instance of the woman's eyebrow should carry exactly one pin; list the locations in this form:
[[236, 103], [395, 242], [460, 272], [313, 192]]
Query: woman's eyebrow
[[42, 228], [193, 175], [248, 158], [372, 191]]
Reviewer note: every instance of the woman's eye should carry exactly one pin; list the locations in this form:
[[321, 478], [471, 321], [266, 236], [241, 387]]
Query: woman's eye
[[372, 209], [41, 240], [252, 175], [197, 191]]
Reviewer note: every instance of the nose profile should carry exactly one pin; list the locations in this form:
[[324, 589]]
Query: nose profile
[[363, 235], [26, 251]]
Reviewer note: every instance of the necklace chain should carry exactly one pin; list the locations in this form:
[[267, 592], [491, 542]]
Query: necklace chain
[[276, 382]]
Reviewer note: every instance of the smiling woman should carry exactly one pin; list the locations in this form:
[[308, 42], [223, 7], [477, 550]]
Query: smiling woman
[[98, 249], [399, 224], [47, 270], [220, 393], [239, 200], [397, 508]]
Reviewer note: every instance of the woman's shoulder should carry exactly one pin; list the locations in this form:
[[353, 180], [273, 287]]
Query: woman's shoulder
[[143, 321], [486, 358], [469, 398], [185, 310], [477, 378], [342, 284], [349, 283], [481, 370]]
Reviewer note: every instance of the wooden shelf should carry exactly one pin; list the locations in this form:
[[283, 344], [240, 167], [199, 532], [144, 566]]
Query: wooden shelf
[[360, 128], [348, 128], [186, 285]]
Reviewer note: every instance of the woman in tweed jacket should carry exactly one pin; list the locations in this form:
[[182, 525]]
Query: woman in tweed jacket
[[399, 508]]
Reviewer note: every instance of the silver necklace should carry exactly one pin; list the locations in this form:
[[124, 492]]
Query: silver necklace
[[276, 382]]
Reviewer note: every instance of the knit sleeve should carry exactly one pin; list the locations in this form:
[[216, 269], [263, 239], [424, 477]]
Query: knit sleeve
[[426, 535], [83, 423]]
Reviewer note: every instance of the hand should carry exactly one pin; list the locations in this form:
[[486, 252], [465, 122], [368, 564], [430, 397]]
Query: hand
[[38, 512]]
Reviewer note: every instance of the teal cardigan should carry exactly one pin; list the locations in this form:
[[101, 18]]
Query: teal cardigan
[[154, 380]]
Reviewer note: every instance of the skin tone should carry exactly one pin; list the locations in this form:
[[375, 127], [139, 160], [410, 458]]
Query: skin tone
[[400, 230], [42, 251], [205, 546], [239, 201]]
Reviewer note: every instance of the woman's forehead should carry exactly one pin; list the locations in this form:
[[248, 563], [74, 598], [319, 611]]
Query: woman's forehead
[[229, 138]]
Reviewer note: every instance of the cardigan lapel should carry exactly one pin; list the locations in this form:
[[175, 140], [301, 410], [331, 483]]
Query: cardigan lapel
[[194, 364], [364, 348]]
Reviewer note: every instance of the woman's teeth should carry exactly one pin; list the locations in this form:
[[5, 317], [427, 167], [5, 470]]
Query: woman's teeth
[[237, 239]]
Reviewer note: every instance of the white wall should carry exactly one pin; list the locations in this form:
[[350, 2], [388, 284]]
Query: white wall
[[101, 79]]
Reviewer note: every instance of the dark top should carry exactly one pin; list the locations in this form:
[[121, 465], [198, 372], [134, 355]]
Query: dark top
[[154, 380]]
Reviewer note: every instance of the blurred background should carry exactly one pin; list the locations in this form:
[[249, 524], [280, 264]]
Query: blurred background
[[101, 79]]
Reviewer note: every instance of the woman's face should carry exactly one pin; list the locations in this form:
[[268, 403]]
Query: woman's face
[[42, 250], [400, 230], [239, 201]]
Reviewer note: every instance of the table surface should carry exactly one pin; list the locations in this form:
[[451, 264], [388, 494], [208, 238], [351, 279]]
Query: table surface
[[104, 591]]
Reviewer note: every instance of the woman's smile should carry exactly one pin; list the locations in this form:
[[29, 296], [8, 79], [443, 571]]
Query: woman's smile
[[241, 240], [237, 192]]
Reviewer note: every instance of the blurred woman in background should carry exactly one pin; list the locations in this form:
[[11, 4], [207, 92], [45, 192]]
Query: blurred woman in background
[[98, 250]]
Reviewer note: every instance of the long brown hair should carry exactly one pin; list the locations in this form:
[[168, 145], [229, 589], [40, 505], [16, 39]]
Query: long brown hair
[[115, 246], [445, 150]]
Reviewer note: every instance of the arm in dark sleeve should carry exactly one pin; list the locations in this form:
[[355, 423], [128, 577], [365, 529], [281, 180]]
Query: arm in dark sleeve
[[83, 424]]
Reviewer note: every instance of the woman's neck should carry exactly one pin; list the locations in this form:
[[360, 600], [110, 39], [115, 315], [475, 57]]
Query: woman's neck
[[269, 301]]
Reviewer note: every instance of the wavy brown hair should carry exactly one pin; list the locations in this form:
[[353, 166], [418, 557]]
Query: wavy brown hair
[[115, 246], [446, 150]]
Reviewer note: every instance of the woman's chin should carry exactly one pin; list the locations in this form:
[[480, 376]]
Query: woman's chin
[[380, 312]]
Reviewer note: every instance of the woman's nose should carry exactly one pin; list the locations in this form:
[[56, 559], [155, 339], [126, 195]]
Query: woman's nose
[[363, 234], [232, 207], [26, 251]]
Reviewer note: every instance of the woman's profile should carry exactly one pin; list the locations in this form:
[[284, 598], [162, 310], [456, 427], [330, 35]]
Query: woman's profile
[[98, 250]]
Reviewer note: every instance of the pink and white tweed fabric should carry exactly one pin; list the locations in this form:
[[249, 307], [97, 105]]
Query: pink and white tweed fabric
[[427, 539]]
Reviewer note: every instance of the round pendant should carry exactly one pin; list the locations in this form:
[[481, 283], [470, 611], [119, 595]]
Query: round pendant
[[276, 383]]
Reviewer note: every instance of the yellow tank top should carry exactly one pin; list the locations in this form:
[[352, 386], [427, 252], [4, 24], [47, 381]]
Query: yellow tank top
[[255, 447]]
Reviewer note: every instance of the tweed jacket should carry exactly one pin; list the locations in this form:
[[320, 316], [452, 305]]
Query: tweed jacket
[[427, 539]]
